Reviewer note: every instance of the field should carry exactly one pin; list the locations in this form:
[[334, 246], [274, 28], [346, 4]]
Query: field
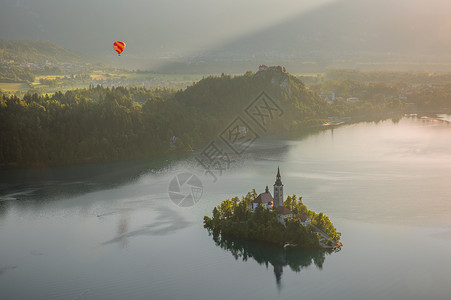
[[13, 86], [48, 84]]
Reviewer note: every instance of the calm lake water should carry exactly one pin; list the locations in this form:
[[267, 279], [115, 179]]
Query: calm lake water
[[110, 231]]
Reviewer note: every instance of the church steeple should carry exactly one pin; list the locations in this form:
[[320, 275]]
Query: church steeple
[[267, 190], [278, 178], [278, 190]]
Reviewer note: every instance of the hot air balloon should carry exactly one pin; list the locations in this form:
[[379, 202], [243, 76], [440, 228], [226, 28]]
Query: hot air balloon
[[119, 47]]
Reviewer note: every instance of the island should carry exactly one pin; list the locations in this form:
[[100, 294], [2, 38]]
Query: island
[[269, 219]]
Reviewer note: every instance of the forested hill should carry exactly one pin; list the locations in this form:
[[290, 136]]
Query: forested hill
[[103, 124], [38, 52], [227, 95]]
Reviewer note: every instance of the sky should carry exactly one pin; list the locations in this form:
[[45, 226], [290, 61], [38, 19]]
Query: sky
[[165, 27], [305, 30]]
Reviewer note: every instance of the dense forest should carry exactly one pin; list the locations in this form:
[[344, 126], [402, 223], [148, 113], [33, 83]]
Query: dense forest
[[104, 124], [232, 219]]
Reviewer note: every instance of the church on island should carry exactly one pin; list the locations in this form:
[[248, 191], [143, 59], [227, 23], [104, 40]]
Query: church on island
[[267, 201]]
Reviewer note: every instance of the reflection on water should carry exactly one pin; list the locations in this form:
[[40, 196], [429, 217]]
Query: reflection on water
[[277, 256], [122, 229], [47, 184], [3, 270], [3, 207], [166, 222]]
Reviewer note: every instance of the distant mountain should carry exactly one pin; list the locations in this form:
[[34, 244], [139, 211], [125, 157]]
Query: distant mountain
[[38, 52], [346, 33], [342, 33], [353, 28]]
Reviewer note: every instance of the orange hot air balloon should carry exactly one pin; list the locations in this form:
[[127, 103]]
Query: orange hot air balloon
[[119, 47]]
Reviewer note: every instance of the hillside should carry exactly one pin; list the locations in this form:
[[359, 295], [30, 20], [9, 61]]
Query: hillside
[[21, 60], [107, 124], [38, 52], [102, 124], [227, 95]]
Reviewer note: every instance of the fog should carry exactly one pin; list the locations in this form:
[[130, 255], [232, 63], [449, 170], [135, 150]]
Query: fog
[[155, 27], [285, 31]]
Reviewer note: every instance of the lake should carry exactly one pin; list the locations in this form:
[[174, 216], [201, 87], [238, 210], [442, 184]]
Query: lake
[[111, 231]]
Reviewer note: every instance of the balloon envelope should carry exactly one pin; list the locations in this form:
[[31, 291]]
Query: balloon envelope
[[119, 47]]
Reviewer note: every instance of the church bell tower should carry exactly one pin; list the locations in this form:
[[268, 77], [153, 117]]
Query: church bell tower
[[278, 190]]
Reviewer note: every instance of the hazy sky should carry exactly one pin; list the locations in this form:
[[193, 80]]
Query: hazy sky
[[171, 25], [152, 29]]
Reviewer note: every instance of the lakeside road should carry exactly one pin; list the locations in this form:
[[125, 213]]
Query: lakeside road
[[320, 232], [325, 236], [434, 119]]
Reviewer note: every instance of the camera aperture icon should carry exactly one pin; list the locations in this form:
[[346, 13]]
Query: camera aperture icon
[[185, 189]]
